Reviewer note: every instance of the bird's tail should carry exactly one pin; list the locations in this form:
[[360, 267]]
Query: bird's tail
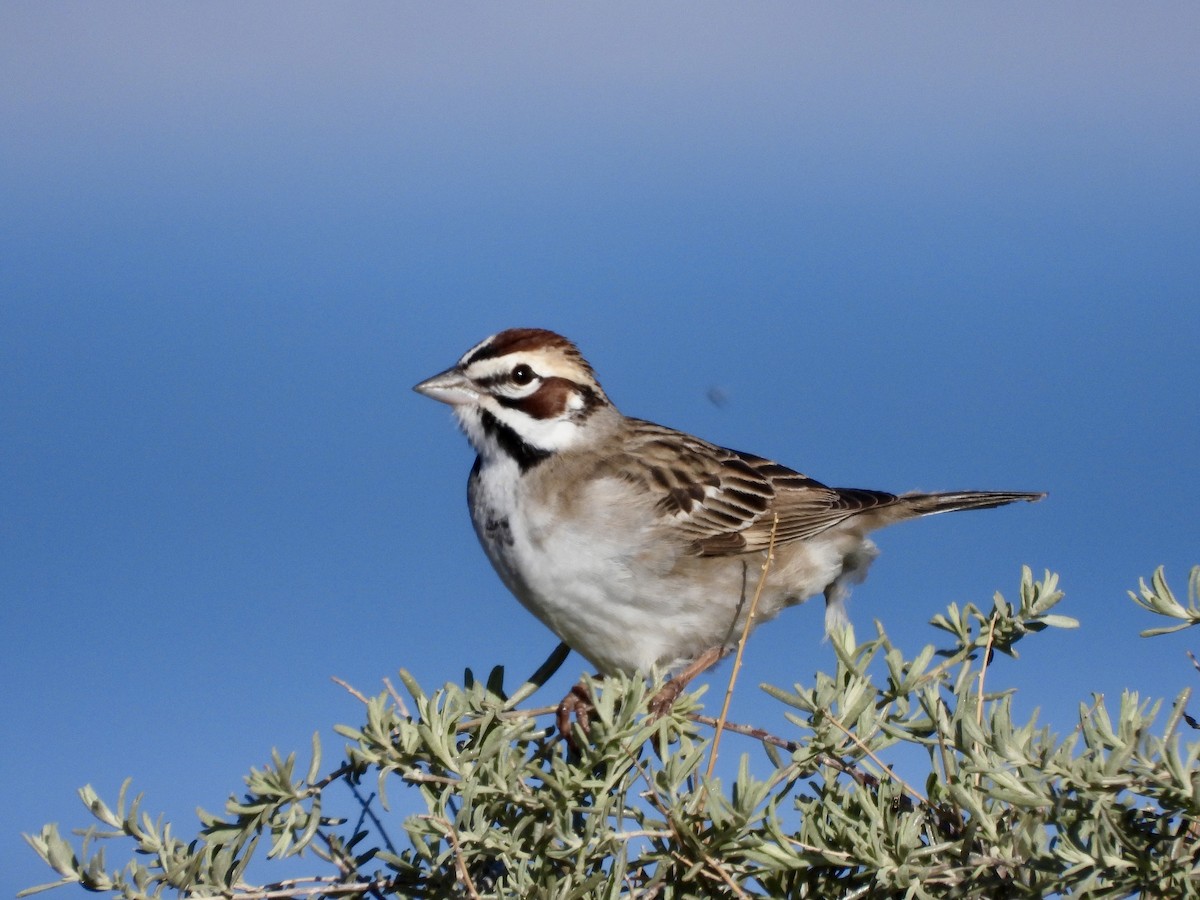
[[906, 506], [928, 504]]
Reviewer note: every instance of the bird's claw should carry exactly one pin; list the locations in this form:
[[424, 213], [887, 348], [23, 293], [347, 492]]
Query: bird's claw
[[578, 703]]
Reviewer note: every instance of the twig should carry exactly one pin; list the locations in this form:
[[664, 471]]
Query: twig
[[369, 813], [708, 871], [397, 699], [281, 890], [917, 795], [987, 658], [725, 876], [759, 734], [459, 864], [643, 833], [508, 715], [531, 713], [737, 660], [413, 775], [765, 737], [350, 690], [983, 667], [943, 751], [333, 855], [345, 864]]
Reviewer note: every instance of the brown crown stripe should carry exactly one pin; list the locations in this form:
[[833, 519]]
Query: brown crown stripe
[[515, 340]]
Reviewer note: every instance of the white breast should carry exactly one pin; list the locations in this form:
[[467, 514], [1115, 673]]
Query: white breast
[[575, 573], [596, 568]]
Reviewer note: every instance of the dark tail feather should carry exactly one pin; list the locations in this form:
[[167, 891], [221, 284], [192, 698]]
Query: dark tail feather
[[928, 504]]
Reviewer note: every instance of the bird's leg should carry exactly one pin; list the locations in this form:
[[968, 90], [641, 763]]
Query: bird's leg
[[578, 702], [661, 703]]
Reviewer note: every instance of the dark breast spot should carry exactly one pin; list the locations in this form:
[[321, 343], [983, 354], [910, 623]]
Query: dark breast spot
[[497, 530]]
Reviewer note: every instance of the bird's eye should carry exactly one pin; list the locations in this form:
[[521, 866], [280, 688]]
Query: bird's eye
[[522, 374]]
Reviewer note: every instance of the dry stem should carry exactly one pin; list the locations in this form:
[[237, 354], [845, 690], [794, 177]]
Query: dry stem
[[737, 660]]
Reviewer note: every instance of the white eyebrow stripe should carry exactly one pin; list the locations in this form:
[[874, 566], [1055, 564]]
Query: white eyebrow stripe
[[492, 368]]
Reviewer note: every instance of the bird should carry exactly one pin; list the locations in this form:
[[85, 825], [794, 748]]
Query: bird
[[639, 545]]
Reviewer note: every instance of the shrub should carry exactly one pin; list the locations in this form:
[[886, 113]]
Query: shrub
[[1005, 809]]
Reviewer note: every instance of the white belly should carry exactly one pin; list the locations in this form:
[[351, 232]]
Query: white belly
[[600, 574]]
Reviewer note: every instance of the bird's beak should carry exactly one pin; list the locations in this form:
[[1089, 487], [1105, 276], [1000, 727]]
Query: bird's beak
[[450, 387]]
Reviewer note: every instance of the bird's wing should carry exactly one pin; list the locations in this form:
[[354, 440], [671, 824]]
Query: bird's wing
[[724, 502]]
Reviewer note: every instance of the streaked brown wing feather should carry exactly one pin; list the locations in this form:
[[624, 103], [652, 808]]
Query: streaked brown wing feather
[[724, 501]]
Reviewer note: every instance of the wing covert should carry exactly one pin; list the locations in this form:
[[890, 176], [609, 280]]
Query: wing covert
[[724, 501]]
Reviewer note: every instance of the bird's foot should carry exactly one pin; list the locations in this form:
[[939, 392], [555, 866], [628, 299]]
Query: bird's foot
[[662, 702], [577, 703]]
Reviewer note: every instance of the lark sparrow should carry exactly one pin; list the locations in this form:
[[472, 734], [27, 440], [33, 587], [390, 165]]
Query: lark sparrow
[[637, 544]]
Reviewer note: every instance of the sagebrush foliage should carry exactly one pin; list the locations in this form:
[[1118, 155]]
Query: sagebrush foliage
[[1006, 809]]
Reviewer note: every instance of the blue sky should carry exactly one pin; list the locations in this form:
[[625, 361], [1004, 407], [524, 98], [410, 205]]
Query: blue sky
[[919, 246]]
